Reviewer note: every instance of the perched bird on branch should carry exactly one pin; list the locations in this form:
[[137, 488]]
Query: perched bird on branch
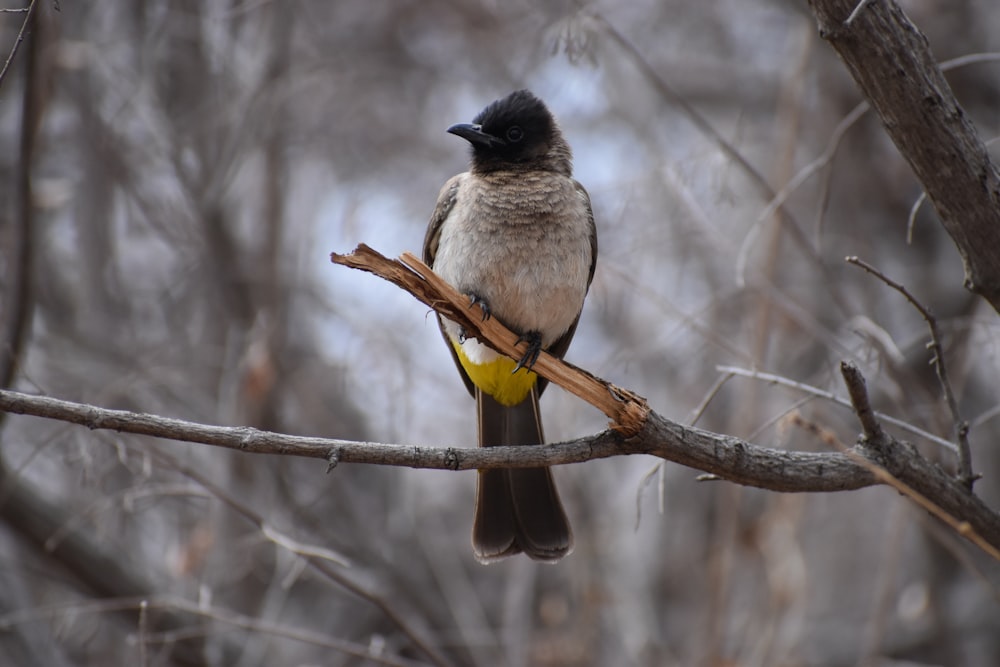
[[516, 233]]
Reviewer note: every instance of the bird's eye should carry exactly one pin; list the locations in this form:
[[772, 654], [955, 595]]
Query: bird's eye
[[514, 134]]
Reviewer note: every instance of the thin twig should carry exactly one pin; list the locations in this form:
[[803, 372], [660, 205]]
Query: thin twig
[[839, 400], [779, 417], [911, 219], [712, 392], [965, 474], [985, 417], [857, 10], [28, 12], [802, 175], [970, 59], [643, 483]]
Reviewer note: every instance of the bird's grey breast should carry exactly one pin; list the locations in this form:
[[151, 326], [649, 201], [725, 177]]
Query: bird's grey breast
[[522, 243]]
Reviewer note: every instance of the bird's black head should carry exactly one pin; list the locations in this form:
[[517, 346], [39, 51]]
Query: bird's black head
[[516, 132]]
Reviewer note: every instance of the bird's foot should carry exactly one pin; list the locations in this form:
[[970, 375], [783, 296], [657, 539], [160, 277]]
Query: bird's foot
[[534, 341], [476, 300]]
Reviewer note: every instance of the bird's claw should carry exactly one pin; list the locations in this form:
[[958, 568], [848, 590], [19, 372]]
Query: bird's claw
[[534, 341], [476, 300]]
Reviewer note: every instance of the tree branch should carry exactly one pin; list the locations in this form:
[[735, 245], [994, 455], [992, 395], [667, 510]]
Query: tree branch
[[729, 458], [724, 456], [892, 63]]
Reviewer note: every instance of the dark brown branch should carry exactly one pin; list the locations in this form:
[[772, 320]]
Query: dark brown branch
[[892, 63]]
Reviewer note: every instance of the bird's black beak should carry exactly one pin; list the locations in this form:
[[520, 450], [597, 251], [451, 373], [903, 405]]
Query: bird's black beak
[[474, 135]]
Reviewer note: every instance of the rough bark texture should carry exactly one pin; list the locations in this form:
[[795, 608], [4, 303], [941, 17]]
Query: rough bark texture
[[892, 63]]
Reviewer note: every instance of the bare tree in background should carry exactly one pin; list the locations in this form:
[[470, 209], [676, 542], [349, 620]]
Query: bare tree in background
[[174, 176]]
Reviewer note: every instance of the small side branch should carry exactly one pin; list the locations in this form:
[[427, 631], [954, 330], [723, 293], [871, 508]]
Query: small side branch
[[965, 474], [858, 391]]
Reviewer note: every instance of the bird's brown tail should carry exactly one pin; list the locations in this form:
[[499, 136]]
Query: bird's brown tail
[[517, 509]]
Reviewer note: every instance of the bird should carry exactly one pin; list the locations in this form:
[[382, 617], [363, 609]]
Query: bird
[[516, 234]]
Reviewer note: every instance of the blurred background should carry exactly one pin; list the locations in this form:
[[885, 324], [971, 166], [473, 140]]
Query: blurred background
[[174, 176]]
